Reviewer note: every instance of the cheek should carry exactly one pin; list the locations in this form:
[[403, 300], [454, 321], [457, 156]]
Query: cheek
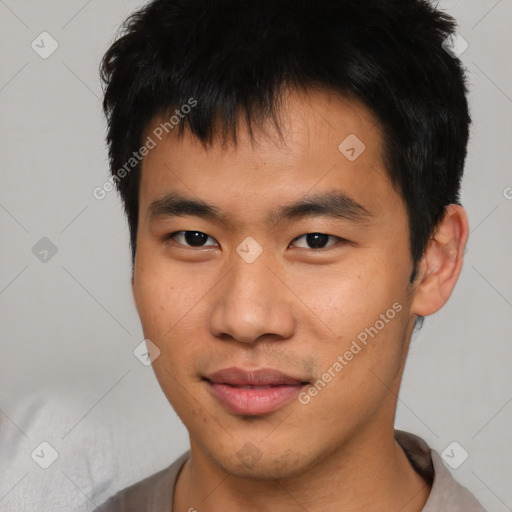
[[162, 302], [360, 369], [171, 305], [361, 312], [344, 300], [163, 296]]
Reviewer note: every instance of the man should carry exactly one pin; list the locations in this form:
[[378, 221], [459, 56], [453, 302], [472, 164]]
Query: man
[[290, 171]]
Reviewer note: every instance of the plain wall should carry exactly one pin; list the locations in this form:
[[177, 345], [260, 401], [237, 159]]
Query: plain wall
[[68, 375]]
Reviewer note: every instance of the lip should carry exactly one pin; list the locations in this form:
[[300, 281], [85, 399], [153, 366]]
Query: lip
[[253, 392]]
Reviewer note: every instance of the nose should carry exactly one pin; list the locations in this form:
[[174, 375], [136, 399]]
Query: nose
[[252, 303]]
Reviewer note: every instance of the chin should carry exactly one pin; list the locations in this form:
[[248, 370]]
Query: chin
[[267, 464]]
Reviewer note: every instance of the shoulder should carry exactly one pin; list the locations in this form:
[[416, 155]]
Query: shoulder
[[446, 495], [153, 494], [449, 494]]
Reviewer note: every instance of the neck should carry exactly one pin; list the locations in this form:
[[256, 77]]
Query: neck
[[370, 473]]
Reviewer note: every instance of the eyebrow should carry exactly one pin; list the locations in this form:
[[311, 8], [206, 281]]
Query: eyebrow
[[332, 204]]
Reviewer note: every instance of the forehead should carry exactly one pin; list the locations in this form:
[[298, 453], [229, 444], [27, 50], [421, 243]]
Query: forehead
[[326, 142]]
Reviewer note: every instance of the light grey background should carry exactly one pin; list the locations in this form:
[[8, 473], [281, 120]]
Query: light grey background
[[68, 375]]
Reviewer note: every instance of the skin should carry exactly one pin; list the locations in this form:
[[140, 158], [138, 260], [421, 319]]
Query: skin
[[295, 308]]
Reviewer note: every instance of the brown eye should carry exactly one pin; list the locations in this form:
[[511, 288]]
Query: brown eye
[[315, 240], [191, 238]]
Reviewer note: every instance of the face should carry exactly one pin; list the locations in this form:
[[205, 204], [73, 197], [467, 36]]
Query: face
[[286, 263]]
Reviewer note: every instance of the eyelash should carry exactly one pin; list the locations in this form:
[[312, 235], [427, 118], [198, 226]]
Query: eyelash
[[171, 236]]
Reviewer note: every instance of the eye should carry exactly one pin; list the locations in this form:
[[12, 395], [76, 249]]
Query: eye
[[315, 240], [191, 238]]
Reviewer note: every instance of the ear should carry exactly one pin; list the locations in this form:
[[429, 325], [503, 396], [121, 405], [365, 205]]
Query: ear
[[441, 264]]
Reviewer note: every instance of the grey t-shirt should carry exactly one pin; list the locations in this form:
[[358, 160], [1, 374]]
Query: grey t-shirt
[[155, 493]]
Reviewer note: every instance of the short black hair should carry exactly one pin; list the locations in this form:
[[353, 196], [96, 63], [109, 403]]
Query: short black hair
[[237, 57]]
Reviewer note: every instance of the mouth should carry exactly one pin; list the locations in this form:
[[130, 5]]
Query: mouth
[[253, 392]]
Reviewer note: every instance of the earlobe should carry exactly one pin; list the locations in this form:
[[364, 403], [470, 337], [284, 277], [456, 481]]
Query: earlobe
[[441, 264]]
